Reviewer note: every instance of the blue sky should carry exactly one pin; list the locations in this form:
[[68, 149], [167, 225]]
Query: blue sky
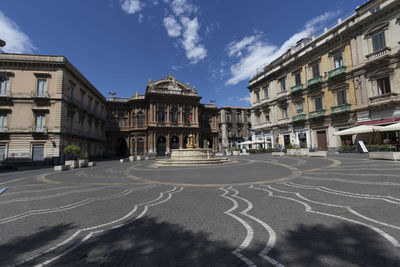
[[215, 46]]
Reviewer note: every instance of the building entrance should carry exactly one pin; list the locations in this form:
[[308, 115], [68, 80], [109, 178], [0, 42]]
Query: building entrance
[[174, 144], [161, 146]]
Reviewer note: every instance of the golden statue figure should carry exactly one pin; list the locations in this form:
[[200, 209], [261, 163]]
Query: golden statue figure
[[191, 143]]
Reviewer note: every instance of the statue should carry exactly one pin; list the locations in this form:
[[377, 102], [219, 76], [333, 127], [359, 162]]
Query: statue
[[191, 144], [151, 84]]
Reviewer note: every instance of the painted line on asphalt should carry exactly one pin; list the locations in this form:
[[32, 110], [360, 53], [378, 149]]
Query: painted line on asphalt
[[70, 206], [309, 209], [50, 196], [69, 239], [348, 181], [272, 235], [90, 234], [337, 206], [389, 199], [352, 174], [41, 190], [249, 230]]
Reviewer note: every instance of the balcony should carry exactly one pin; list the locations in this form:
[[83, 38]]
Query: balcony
[[3, 130], [37, 95], [38, 129], [341, 108], [337, 73], [296, 88], [317, 114], [5, 95], [314, 81], [382, 53], [299, 117], [384, 98]]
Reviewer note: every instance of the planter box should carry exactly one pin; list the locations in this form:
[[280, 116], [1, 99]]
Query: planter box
[[140, 158], [235, 153], [83, 163], [62, 167], [278, 154], [219, 154], [124, 160], [385, 155], [317, 154], [132, 158], [92, 164], [301, 152], [72, 163]]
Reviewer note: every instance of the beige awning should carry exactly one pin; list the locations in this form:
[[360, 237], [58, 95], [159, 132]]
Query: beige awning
[[359, 129], [392, 127]]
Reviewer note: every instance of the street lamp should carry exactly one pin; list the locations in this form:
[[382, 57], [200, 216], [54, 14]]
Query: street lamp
[[2, 43]]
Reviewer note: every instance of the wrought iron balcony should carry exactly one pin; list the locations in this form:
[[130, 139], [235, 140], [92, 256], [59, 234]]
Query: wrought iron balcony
[[314, 81], [296, 88], [299, 117], [341, 108], [317, 114], [337, 72]]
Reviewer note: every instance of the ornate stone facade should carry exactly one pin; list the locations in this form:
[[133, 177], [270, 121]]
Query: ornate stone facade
[[160, 120]]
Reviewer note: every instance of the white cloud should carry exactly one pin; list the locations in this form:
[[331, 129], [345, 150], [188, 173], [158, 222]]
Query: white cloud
[[16, 40], [131, 6], [172, 26], [191, 40], [253, 52], [245, 99], [182, 7], [140, 18]]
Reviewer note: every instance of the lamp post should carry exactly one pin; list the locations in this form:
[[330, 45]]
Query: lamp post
[[3, 75]]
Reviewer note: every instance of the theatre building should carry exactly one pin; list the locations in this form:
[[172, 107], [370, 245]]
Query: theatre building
[[160, 120]]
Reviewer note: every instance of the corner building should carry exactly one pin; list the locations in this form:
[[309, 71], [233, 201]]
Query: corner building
[[344, 77], [160, 120]]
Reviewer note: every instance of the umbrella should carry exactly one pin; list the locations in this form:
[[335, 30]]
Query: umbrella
[[359, 129], [392, 127]]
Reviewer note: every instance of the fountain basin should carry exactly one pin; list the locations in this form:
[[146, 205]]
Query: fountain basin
[[191, 157]]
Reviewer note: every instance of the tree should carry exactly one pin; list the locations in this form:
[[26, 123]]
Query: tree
[[73, 150]]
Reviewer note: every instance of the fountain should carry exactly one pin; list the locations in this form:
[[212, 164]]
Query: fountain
[[191, 156]]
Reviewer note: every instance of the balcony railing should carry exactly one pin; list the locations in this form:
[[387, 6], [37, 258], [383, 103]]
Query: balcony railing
[[341, 108], [383, 97], [296, 88], [378, 54], [42, 95], [6, 94], [337, 72], [3, 129], [299, 117], [317, 114], [314, 81], [38, 129]]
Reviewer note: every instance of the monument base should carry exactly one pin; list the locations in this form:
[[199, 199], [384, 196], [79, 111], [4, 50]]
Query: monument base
[[191, 157]]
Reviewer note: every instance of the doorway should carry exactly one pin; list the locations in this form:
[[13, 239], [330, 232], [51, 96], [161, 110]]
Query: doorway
[[37, 152], [321, 139], [174, 144], [140, 146], [161, 146]]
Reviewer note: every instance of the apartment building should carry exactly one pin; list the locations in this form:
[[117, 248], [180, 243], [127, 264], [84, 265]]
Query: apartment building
[[160, 120], [344, 77], [45, 105], [234, 126]]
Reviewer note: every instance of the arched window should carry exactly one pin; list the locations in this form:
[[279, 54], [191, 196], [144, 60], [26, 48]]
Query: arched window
[[174, 115], [121, 120], [140, 119], [187, 115], [161, 114]]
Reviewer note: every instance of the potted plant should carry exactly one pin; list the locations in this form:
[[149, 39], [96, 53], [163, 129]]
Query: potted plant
[[74, 151]]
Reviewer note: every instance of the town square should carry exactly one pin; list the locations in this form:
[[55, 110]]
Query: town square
[[199, 133]]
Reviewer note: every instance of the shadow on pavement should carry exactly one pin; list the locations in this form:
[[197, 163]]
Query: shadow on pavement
[[147, 242], [13, 251], [341, 245]]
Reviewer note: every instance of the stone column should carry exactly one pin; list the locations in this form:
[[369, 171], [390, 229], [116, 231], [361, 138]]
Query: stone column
[[168, 142], [180, 141], [197, 135]]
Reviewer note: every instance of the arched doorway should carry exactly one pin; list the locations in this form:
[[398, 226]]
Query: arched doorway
[[161, 146], [140, 146], [174, 144], [185, 141], [123, 147], [207, 143]]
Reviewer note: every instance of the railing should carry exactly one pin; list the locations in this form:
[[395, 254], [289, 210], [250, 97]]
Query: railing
[[3, 129], [341, 108], [317, 114], [299, 117], [296, 88], [378, 54], [43, 95], [5, 94], [383, 97], [314, 81], [336, 72], [38, 129]]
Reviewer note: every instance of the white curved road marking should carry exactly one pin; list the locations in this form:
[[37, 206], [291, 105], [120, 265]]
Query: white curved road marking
[[348, 181], [70, 206], [309, 209], [272, 235], [249, 231]]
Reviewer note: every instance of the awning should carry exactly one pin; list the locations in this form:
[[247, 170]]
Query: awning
[[359, 129], [246, 143], [392, 127]]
